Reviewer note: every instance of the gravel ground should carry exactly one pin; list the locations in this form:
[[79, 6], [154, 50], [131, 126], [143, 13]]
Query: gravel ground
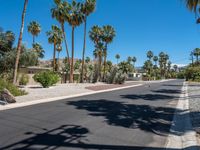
[[194, 103], [36, 92]]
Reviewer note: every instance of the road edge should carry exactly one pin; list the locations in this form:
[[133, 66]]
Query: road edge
[[188, 140]]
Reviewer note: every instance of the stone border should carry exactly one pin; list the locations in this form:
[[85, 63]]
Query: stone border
[[182, 134]]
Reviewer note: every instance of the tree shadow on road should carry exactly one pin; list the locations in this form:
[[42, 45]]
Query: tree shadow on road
[[168, 91], [148, 118], [149, 97], [69, 137]]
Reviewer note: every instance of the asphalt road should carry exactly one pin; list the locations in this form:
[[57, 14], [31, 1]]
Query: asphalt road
[[129, 119]]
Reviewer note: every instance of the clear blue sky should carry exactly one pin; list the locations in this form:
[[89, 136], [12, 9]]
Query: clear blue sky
[[157, 25]]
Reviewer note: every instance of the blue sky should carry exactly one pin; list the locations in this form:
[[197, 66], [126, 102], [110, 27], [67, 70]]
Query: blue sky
[[157, 25]]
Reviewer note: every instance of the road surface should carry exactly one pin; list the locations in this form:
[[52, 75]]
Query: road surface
[[129, 119]]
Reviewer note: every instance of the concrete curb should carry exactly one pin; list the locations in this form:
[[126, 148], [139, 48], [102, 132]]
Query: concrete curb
[[24, 104], [182, 134]]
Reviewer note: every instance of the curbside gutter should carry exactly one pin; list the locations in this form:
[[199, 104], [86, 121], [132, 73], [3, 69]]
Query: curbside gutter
[[182, 134]]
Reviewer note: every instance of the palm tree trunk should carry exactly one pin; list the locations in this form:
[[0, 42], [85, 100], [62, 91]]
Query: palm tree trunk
[[54, 57], [84, 47], [33, 39], [100, 62], [19, 43], [104, 64], [58, 63], [72, 61], [65, 40]]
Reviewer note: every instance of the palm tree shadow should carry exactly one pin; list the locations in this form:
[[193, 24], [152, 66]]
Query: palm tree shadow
[[149, 97], [148, 118], [70, 136], [168, 91]]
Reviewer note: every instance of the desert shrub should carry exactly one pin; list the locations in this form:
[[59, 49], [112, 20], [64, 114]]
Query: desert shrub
[[46, 78], [120, 78], [77, 78], [95, 74], [11, 87], [110, 79], [24, 79], [193, 74]]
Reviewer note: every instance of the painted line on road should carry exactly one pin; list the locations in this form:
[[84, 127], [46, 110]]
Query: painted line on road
[[182, 134], [24, 104]]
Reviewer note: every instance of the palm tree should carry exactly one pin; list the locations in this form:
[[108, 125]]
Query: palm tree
[[129, 59], [38, 49], [124, 67], [197, 53], [55, 37], [175, 68], [58, 49], [108, 36], [34, 28], [87, 8], [149, 54], [117, 56], [192, 57], [87, 60], [74, 17], [155, 59], [134, 59], [98, 52], [20, 42], [95, 35], [60, 12], [161, 63], [192, 5]]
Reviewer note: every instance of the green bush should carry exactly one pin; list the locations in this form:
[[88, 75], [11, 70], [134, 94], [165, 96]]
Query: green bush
[[181, 75], [193, 74], [24, 79], [46, 78], [12, 88]]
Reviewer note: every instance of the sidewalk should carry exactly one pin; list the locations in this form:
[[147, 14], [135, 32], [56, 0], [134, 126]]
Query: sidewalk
[[194, 97]]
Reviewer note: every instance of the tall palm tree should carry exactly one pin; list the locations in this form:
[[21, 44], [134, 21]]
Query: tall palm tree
[[117, 56], [96, 34], [55, 37], [108, 36], [98, 52], [149, 54], [161, 63], [60, 12], [74, 17], [19, 42], [34, 28], [87, 8]]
